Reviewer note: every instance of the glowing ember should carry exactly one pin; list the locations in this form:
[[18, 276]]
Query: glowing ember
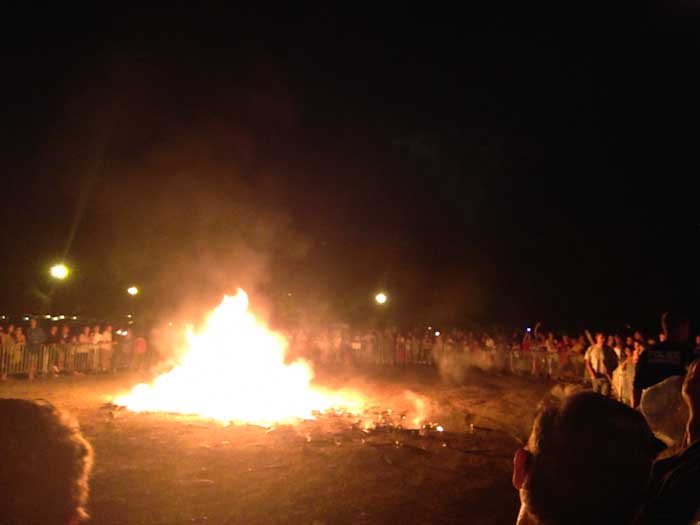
[[234, 371]]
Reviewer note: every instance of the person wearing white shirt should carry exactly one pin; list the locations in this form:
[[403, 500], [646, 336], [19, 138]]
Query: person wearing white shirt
[[600, 363], [106, 349], [95, 336]]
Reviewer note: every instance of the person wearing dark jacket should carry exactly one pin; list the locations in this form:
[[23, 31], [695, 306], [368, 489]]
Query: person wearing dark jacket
[[35, 338], [666, 359]]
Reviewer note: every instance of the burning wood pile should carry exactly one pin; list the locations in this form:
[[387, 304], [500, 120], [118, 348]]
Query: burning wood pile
[[234, 371]]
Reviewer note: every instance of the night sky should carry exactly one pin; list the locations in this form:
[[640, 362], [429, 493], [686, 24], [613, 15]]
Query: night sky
[[479, 169]]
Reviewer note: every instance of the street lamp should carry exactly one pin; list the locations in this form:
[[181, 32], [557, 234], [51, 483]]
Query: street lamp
[[132, 290], [59, 271], [381, 298]]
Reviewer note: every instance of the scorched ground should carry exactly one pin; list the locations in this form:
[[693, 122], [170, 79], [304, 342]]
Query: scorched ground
[[340, 469]]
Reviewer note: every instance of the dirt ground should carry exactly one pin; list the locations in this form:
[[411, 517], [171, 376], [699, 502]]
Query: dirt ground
[[160, 469]]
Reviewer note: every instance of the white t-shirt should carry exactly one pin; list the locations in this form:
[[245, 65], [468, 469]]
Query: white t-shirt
[[595, 356], [618, 352]]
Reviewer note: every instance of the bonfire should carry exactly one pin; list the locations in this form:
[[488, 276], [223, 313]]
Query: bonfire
[[234, 371]]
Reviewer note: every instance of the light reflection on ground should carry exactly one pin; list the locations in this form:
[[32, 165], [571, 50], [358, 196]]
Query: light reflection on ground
[[161, 468]]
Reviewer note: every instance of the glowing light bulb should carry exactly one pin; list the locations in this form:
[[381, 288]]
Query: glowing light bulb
[[381, 298], [59, 271]]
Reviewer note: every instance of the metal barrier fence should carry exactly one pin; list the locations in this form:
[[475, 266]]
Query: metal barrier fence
[[85, 358], [537, 362], [45, 359]]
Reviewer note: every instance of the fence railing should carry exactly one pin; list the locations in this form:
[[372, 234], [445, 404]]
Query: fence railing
[[535, 362], [86, 358], [54, 358]]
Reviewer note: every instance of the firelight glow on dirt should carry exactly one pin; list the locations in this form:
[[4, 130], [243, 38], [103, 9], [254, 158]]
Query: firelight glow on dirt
[[234, 371]]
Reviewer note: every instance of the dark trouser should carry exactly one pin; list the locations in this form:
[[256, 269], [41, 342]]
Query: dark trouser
[[601, 386], [32, 351]]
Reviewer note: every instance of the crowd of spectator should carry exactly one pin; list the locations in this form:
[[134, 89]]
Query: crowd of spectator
[[589, 459], [64, 334], [608, 362], [63, 348]]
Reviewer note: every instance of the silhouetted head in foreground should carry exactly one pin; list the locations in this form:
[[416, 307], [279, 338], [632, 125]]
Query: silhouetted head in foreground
[[588, 461], [676, 327], [45, 465]]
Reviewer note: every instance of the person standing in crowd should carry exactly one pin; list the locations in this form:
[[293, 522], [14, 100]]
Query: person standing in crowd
[[578, 348], [386, 347], [18, 344], [139, 349], [66, 336], [599, 360], [106, 349], [8, 337], [95, 335], [437, 349], [82, 352], [126, 349], [615, 342], [610, 341], [618, 347], [626, 376], [55, 357], [665, 359], [84, 337], [552, 348], [52, 337], [400, 350], [20, 338], [426, 349], [356, 347], [415, 348], [368, 347], [565, 363], [35, 338], [65, 353]]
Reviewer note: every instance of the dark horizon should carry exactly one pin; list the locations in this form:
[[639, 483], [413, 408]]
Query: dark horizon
[[484, 172]]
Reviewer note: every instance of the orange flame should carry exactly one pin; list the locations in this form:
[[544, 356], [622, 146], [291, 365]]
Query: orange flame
[[234, 372]]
